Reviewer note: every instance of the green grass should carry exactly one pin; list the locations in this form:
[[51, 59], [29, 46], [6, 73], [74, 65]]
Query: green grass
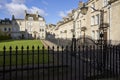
[[24, 43], [19, 59], [20, 43]]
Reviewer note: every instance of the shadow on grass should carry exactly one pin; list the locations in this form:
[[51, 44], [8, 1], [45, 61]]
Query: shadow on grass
[[7, 40], [24, 57]]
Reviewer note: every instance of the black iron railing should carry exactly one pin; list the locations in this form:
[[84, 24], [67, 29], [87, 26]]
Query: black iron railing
[[83, 63]]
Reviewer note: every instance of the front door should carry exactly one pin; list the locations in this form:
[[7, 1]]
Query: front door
[[105, 36]]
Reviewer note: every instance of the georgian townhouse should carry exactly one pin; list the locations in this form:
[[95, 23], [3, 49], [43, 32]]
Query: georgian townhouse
[[50, 31], [31, 27], [64, 28], [94, 19], [5, 27]]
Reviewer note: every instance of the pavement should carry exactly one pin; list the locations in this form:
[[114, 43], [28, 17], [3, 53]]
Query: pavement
[[51, 45]]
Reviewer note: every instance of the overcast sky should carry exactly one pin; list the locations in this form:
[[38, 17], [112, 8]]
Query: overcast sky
[[51, 10]]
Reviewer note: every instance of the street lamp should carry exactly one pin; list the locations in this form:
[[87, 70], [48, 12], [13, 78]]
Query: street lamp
[[102, 29], [83, 11]]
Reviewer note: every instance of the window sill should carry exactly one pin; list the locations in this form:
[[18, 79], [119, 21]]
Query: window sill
[[95, 25]]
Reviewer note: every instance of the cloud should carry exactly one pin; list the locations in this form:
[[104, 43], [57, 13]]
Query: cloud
[[18, 1], [69, 11], [44, 2], [17, 8], [40, 11], [64, 13]]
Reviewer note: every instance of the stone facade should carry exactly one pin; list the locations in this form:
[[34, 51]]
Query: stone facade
[[31, 27], [5, 27], [50, 31], [110, 15], [101, 13], [64, 28]]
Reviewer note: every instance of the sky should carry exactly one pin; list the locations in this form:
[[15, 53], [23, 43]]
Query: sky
[[51, 10]]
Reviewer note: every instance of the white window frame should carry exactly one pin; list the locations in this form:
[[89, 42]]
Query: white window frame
[[97, 34], [97, 18], [40, 19], [92, 20], [30, 18]]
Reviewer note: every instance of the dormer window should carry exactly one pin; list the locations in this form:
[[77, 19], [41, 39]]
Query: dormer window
[[40, 18], [3, 22], [30, 18]]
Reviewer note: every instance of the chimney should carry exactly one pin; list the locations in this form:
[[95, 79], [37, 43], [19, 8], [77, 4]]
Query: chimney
[[80, 4], [25, 14], [37, 14], [13, 17]]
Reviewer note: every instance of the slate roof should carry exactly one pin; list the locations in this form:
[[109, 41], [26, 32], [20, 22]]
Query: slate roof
[[5, 21], [35, 16]]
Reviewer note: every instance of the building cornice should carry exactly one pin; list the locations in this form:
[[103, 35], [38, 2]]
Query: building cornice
[[66, 22]]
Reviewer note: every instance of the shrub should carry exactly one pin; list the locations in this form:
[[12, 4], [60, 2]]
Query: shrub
[[5, 37]]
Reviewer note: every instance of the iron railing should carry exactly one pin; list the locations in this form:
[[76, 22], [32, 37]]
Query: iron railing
[[84, 63]]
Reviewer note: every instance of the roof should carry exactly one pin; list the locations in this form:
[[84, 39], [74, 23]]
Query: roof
[[6, 21], [19, 19], [35, 16]]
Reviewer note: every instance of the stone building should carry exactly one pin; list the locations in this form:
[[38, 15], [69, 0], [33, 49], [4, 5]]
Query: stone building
[[64, 28], [50, 31], [100, 13], [31, 27], [5, 27]]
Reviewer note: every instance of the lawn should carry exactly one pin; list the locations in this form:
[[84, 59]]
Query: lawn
[[20, 43], [27, 57]]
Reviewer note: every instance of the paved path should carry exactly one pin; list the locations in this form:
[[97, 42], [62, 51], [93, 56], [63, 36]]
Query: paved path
[[47, 43]]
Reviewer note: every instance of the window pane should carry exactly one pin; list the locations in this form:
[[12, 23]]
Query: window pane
[[30, 18], [9, 29], [92, 20], [97, 19], [5, 29]]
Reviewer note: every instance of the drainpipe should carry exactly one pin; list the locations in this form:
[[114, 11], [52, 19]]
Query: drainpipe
[[109, 23]]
